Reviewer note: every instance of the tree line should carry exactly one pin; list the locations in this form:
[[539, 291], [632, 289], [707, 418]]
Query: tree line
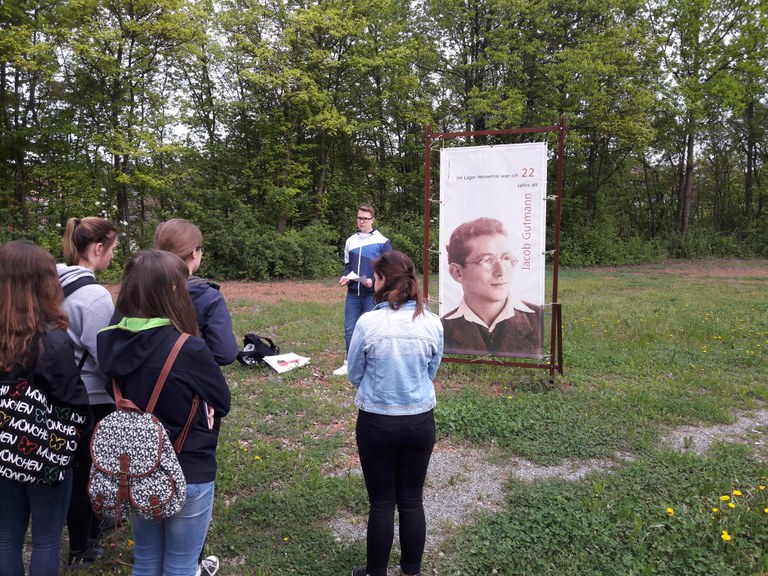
[[267, 122]]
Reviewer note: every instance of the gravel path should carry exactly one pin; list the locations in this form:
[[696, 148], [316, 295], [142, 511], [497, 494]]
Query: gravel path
[[462, 481]]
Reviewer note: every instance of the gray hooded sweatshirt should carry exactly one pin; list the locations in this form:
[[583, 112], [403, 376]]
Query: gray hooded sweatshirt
[[89, 309]]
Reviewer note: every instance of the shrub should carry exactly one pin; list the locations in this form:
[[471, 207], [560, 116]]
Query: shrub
[[240, 252]]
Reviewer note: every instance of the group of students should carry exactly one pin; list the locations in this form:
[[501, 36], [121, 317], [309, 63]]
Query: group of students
[[76, 346], [393, 356]]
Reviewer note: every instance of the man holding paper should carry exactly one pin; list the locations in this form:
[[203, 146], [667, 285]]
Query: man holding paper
[[360, 250]]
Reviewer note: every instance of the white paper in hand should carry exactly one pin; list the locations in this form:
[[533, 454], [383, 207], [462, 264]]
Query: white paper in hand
[[356, 278]]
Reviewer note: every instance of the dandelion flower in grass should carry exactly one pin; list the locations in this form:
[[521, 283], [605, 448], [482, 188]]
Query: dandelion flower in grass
[[731, 505], [671, 511], [257, 457], [762, 487], [725, 497], [715, 510], [737, 492], [725, 536]]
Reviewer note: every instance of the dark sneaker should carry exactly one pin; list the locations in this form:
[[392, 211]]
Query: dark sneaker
[[84, 558], [107, 525], [357, 571]]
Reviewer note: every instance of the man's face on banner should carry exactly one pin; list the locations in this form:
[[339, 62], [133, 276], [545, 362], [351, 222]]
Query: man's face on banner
[[487, 272]]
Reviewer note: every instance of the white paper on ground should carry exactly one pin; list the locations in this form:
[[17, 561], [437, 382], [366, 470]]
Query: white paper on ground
[[285, 362]]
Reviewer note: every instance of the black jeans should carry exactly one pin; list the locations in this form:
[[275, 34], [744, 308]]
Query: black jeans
[[394, 454], [82, 523]]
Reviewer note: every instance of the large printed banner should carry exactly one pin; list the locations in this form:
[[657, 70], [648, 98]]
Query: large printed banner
[[492, 242]]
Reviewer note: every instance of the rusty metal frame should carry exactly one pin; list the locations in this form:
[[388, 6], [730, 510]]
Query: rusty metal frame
[[554, 360]]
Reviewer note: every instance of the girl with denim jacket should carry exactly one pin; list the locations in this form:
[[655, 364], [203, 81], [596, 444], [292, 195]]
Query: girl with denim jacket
[[393, 357]]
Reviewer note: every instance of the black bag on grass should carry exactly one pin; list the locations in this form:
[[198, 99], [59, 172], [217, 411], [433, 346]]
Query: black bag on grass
[[255, 347]]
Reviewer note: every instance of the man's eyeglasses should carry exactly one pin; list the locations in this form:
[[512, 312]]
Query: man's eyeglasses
[[489, 261], [363, 219], [200, 248]]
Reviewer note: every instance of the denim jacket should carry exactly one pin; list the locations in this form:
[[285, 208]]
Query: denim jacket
[[393, 358]]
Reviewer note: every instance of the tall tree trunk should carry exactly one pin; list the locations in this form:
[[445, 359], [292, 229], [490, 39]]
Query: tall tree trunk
[[751, 159], [650, 199], [687, 191]]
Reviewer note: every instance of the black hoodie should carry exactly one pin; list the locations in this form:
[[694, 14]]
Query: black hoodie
[[133, 352]]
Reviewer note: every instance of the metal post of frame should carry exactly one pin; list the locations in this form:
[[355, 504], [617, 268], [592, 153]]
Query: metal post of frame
[[427, 205], [554, 361]]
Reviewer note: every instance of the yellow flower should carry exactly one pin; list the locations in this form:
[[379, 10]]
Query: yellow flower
[[285, 539], [737, 492], [725, 497], [725, 536], [671, 511], [731, 505], [762, 487], [715, 510], [765, 510], [257, 457]]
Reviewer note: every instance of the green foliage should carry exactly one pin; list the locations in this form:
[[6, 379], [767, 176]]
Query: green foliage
[[702, 243], [406, 232], [238, 251], [602, 242], [286, 115]]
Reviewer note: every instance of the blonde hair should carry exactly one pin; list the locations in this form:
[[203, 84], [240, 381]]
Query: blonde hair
[[178, 236]]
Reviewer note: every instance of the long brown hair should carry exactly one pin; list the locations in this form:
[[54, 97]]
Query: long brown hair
[[400, 283], [179, 236], [30, 302], [81, 233], [154, 285]]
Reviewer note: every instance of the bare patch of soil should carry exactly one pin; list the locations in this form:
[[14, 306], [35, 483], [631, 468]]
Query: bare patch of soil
[[280, 291], [720, 268], [328, 290]]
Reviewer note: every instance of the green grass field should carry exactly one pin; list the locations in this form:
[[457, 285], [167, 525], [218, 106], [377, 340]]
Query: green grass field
[[645, 350]]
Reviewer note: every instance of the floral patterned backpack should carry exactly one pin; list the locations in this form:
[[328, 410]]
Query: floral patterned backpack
[[135, 468]]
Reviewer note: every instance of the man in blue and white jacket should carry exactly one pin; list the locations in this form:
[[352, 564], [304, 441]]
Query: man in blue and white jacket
[[360, 250]]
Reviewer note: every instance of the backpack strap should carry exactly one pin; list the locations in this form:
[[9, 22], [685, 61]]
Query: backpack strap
[[166, 369], [77, 284], [183, 436], [71, 288], [125, 404]]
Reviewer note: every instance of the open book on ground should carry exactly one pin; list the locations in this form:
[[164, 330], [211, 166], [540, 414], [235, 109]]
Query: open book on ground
[[284, 362]]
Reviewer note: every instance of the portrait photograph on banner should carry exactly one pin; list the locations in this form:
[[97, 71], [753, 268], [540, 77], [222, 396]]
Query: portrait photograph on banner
[[492, 244]]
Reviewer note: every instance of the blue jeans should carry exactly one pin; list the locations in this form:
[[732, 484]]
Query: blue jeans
[[172, 547], [354, 307], [394, 454], [47, 505]]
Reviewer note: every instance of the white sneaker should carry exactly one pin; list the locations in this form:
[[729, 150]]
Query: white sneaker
[[341, 370], [208, 567]]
